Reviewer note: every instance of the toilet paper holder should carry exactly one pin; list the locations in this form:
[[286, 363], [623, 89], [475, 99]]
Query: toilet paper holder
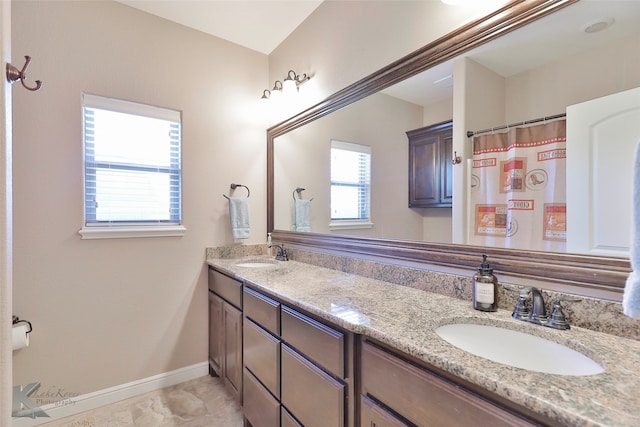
[[16, 320]]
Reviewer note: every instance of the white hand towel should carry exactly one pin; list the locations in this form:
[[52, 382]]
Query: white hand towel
[[302, 215], [631, 297], [239, 215]]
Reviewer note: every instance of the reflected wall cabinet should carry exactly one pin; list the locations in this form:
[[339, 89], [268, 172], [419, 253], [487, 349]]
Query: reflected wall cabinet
[[430, 167]]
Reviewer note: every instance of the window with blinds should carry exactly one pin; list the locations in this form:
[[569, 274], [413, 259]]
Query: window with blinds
[[132, 159], [350, 181]]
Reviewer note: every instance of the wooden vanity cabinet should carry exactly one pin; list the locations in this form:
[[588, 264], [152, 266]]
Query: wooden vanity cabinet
[[399, 392], [374, 415], [225, 330], [297, 369], [430, 167]]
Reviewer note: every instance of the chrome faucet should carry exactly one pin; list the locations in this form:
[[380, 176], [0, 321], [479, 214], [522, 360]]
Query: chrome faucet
[[538, 307], [281, 255], [538, 312]]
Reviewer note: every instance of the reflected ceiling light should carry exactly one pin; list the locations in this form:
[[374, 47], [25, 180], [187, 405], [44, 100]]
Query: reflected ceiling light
[[288, 87], [596, 26]]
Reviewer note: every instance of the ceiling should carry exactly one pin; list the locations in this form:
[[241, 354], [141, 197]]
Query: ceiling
[[260, 25], [548, 39]]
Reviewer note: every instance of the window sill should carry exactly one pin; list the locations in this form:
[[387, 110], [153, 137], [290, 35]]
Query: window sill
[[350, 224], [87, 233]]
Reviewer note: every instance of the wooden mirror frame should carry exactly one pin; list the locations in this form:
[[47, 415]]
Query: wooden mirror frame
[[580, 274]]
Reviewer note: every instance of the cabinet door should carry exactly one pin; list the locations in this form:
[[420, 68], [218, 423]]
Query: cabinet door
[[430, 168], [446, 174], [215, 333], [424, 181], [232, 347]]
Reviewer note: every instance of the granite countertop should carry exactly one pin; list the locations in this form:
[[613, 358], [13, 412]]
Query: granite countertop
[[406, 319]]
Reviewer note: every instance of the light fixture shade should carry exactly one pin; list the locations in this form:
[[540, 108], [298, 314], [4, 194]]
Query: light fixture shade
[[289, 87], [276, 92]]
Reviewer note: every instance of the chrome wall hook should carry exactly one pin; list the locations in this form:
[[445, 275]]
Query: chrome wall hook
[[13, 75]]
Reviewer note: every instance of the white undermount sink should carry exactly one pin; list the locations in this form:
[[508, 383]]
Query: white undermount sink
[[518, 349], [256, 263]]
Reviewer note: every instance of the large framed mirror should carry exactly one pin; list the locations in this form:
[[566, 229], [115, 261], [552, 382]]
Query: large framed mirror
[[590, 275]]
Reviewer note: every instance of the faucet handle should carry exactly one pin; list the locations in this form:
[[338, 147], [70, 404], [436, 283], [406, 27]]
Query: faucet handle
[[558, 319], [521, 310]]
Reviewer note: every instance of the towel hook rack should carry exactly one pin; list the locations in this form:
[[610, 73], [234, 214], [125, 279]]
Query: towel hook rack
[[234, 186], [299, 190], [13, 75]]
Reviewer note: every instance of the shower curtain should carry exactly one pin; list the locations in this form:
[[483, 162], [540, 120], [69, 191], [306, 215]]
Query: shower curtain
[[518, 190]]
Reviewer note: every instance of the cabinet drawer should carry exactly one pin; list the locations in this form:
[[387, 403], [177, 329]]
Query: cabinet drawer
[[287, 419], [374, 415], [312, 396], [316, 341], [261, 309], [259, 407], [262, 356], [424, 398], [228, 288]]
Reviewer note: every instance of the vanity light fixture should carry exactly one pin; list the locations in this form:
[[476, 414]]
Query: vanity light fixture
[[287, 87]]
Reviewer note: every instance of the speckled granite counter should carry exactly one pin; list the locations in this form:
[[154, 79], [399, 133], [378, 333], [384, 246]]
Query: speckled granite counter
[[405, 318]]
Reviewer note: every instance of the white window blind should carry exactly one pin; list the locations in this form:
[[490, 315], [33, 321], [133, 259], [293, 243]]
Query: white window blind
[[350, 181], [132, 157]]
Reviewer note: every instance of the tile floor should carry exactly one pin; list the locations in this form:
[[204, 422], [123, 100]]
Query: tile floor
[[202, 402]]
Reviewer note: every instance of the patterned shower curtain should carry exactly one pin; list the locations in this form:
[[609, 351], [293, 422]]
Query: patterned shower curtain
[[518, 188]]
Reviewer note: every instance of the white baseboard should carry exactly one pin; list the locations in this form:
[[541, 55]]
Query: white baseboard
[[110, 395]]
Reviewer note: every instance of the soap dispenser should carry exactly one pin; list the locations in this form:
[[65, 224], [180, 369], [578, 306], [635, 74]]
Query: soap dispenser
[[485, 288]]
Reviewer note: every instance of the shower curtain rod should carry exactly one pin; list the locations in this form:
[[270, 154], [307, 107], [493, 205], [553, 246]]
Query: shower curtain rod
[[471, 133]]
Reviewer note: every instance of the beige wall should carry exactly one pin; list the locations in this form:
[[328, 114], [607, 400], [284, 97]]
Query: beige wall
[[107, 312], [549, 89], [379, 121], [344, 41]]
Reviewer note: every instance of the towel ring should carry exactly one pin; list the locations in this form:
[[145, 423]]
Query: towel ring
[[234, 186], [298, 190]]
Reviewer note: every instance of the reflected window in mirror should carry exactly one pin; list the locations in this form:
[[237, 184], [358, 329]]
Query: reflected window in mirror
[[350, 185]]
